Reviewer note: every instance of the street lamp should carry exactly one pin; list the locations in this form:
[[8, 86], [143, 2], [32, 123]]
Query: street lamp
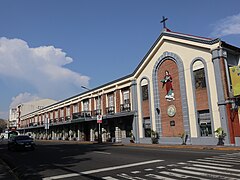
[[99, 124]]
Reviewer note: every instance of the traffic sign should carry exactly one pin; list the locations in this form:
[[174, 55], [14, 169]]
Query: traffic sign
[[99, 119]]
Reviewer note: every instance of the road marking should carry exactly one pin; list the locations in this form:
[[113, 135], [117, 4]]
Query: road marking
[[62, 176], [182, 163], [125, 176], [136, 172], [212, 171], [226, 160], [182, 176], [158, 177], [218, 168], [191, 172], [208, 163], [101, 170], [120, 167], [109, 178], [148, 169], [101, 152], [219, 161], [160, 167]]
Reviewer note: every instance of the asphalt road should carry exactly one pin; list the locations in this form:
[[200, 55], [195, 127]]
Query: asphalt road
[[64, 160]]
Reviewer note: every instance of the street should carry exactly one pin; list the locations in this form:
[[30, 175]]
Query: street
[[69, 160]]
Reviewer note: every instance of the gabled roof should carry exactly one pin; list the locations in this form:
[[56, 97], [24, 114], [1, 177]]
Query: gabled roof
[[168, 33]]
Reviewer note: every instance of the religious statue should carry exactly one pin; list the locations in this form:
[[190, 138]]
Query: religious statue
[[167, 82]]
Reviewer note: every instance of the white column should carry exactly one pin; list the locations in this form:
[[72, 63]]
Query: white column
[[118, 134], [79, 135], [92, 135]]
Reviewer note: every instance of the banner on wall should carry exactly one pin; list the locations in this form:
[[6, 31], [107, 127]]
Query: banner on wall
[[235, 78]]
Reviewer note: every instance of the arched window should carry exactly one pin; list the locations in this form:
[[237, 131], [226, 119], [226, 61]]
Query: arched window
[[145, 108], [201, 98]]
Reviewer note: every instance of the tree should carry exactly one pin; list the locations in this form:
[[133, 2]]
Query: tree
[[3, 125]]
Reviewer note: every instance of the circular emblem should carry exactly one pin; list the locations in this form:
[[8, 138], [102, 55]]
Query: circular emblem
[[171, 111]]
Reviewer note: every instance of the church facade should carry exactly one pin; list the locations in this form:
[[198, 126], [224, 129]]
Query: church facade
[[181, 91]]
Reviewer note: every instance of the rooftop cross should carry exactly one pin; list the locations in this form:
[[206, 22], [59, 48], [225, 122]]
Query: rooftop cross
[[163, 21]]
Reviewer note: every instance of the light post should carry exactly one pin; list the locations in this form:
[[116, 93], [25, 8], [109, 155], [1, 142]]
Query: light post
[[99, 122]]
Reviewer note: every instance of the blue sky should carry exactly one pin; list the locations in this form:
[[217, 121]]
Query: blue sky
[[50, 48]]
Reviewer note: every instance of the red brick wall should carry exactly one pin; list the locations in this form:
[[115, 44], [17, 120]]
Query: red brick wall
[[104, 104], [79, 106], [201, 99], [92, 104], [167, 130], [118, 102], [145, 108]]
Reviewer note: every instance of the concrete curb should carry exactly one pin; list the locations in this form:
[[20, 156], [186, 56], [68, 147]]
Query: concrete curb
[[220, 148]]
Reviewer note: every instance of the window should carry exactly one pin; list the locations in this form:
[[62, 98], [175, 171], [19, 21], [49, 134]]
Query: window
[[75, 108], [204, 122], [51, 115], [110, 100], [68, 111], [199, 76], [56, 114], [98, 103], [145, 92], [85, 105], [126, 97], [62, 112]]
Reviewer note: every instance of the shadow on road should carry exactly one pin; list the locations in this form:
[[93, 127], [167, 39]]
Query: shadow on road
[[47, 157]]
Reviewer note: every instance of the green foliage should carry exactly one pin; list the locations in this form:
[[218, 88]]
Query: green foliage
[[154, 137], [220, 132]]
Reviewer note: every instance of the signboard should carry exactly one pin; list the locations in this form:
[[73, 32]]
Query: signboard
[[99, 119], [172, 123], [235, 78]]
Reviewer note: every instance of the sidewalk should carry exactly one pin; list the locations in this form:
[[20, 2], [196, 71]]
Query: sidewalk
[[193, 147], [170, 146]]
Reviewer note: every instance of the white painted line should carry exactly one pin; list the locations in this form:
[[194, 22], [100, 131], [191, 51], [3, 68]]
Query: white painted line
[[154, 176], [136, 172], [226, 160], [172, 165], [109, 178], [182, 176], [101, 152], [120, 167], [218, 168], [125, 176], [148, 169], [62, 176], [160, 167], [192, 173], [213, 164], [215, 161], [182, 163], [213, 171]]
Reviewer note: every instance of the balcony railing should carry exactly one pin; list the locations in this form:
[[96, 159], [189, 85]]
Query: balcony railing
[[125, 107], [83, 114], [97, 112], [110, 110]]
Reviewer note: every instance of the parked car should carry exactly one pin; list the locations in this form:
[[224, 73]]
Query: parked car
[[21, 142]]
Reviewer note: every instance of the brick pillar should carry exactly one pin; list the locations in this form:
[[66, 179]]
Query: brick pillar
[[118, 101], [104, 104]]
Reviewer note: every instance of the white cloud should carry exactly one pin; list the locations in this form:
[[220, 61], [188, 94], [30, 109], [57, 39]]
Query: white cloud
[[227, 26], [42, 68], [23, 98]]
